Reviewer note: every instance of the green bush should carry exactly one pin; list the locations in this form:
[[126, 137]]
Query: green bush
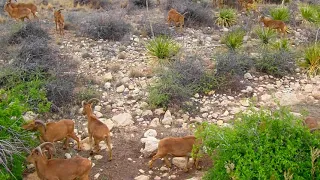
[[312, 59], [278, 63], [265, 34], [234, 39], [180, 81], [162, 47], [280, 13], [282, 44], [311, 13], [226, 17], [262, 144]]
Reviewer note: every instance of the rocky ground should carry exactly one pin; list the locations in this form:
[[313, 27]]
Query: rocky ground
[[136, 129]]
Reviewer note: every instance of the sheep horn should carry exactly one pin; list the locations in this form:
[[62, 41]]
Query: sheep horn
[[93, 99], [39, 149], [41, 122], [60, 10], [45, 143], [82, 103]]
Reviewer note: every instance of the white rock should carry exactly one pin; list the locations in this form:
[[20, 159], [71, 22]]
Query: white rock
[[163, 168], [141, 171], [180, 162], [248, 76], [157, 178], [67, 155], [108, 76], [107, 85], [266, 97], [29, 115], [219, 122], [97, 108], [124, 119], [107, 122], [151, 145], [287, 99], [125, 80], [150, 133], [120, 89], [159, 111], [96, 176], [167, 119], [245, 102], [98, 114], [147, 113], [249, 89], [308, 88], [97, 157], [155, 122]]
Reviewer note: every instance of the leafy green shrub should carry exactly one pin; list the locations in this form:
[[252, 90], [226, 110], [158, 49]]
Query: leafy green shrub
[[226, 17], [280, 13], [312, 59], [282, 44], [234, 39], [163, 47], [261, 145], [178, 82], [265, 34], [278, 63], [104, 26]]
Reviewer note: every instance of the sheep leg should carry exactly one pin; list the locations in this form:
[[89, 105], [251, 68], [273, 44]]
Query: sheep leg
[[167, 162], [186, 168], [74, 136], [96, 145], [65, 146], [108, 142], [56, 25], [90, 141], [155, 157]]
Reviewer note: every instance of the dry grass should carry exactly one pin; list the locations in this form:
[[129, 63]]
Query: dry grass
[[136, 73], [114, 67]]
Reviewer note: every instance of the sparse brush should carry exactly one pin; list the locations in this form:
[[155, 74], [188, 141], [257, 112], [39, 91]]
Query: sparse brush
[[226, 17], [265, 34], [162, 47], [312, 59], [280, 13], [197, 15], [234, 39]]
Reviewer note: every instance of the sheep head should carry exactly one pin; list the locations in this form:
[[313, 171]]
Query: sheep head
[[37, 154], [87, 106], [33, 125]]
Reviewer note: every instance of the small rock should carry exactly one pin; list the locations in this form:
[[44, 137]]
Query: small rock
[[151, 145], [157, 178], [248, 76], [107, 85], [150, 133], [219, 122], [308, 88], [124, 119], [97, 108], [29, 115], [180, 162], [155, 122], [97, 157], [245, 102], [142, 177], [266, 97], [120, 89], [167, 119], [147, 113], [96, 176], [159, 111], [108, 76], [163, 168], [67, 155]]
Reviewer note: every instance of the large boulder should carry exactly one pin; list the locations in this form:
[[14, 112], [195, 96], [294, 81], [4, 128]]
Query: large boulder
[[121, 120]]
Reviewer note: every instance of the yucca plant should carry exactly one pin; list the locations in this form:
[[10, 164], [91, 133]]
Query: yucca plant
[[311, 13], [163, 47], [280, 13], [312, 59], [234, 39], [265, 34], [226, 17], [282, 44]]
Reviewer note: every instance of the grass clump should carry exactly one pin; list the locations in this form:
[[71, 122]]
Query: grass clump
[[226, 17], [281, 44], [104, 26], [280, 13], [234, 39], [162, 47], [278, 63], [311, 13], [266, 35], [262, 144], [312, 59]]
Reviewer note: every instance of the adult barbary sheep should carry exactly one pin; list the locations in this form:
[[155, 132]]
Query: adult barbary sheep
[[178, 147], [54, 131], [62, 169], [274, 24], [30, 6], [17, 13], [176, 17], [96, 129]]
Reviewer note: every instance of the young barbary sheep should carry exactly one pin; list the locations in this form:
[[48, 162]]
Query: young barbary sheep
[[54, 131], [176, 146], [30, 6], [96, 129], [59, 20], [17, 13], [274, 24], [62, 169], [176, 17]]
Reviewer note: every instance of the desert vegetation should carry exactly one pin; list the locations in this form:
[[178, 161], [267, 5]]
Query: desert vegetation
[[235, 84]]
